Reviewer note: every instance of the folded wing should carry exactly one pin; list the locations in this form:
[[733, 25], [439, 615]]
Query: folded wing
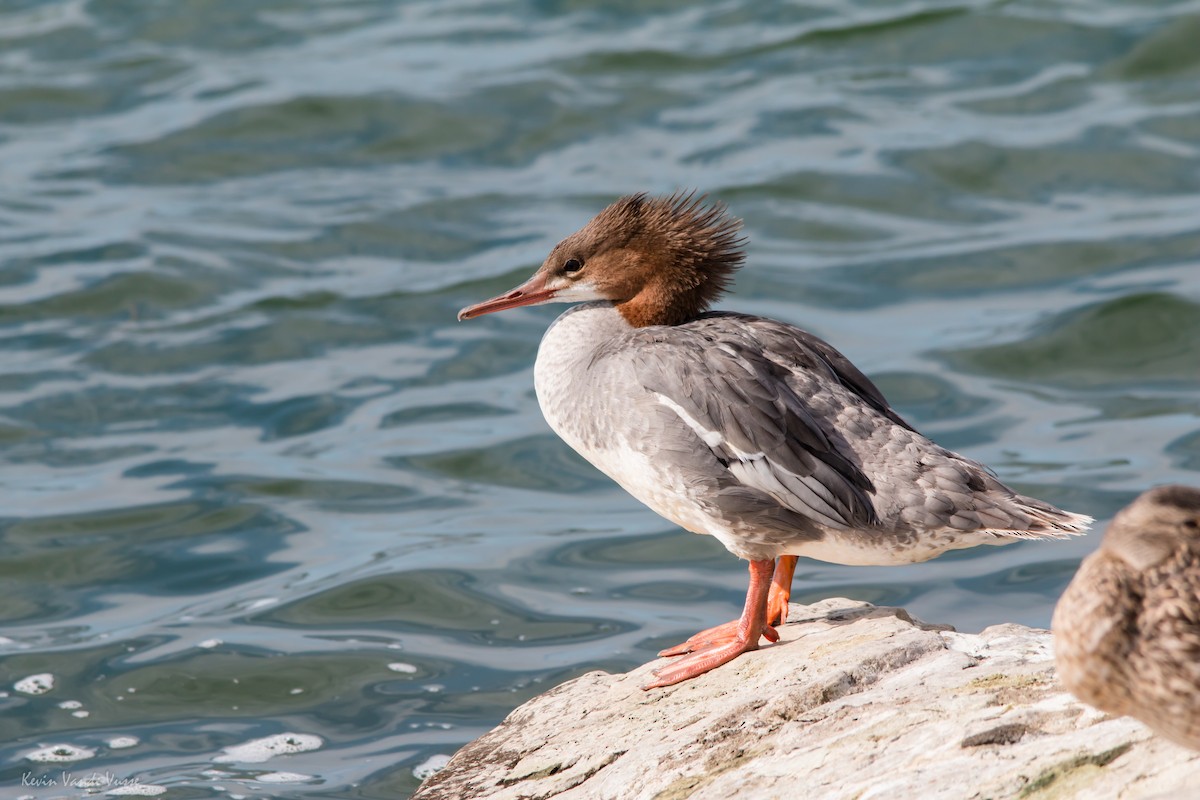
[[749, 408]]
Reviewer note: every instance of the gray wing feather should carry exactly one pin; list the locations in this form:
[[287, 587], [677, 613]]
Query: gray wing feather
[[801, 349], [750, 412]]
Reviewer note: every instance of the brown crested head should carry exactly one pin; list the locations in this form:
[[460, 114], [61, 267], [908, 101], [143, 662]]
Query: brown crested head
[[1155, 525], [660, 260]]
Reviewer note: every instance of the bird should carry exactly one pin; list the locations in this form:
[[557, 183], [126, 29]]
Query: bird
[[1127, 629], [737, 426]]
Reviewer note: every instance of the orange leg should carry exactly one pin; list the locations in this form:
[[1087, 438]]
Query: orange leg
[[777, 603], [781, 590], [725, 642]]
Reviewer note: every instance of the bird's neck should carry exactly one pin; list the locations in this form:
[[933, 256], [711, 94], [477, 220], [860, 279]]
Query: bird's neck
[[665, 300]]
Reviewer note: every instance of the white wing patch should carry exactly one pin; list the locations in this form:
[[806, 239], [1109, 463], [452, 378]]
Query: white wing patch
[[798, 493], [710, 437]]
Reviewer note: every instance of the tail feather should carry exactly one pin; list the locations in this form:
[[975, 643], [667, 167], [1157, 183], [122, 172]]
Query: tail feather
[[1047, 522]]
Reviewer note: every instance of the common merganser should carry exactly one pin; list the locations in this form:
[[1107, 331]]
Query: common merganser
[[1127, 630], [748, 429]]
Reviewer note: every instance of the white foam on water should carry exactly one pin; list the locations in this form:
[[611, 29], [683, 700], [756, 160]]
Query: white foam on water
[[137, 790], [430, 766], [57, 753], [257, 751], [35, 684], [283, 777]]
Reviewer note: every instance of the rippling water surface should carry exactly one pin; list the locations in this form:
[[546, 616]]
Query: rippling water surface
[[259, 483]]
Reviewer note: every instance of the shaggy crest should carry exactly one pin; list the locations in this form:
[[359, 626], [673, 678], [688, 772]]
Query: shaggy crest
[[694, 247]]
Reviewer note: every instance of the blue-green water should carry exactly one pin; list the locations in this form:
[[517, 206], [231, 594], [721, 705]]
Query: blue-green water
[[258, 481]]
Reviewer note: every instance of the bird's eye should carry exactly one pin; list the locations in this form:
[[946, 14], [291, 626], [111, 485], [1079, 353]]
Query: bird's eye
[[572, 265]]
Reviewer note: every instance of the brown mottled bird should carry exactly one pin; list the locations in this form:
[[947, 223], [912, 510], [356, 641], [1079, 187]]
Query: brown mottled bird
[[747, 429], [1127, 630]]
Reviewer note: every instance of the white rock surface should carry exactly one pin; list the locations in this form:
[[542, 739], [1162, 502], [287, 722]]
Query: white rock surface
[[854, 702]]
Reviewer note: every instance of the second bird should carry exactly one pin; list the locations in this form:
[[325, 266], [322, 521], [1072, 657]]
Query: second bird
[[745, 428]]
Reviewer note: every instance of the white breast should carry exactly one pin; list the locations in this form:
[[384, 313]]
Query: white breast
[[593, 418]]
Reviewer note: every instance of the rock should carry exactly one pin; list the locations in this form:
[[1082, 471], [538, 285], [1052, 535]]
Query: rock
[[853, 702]]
